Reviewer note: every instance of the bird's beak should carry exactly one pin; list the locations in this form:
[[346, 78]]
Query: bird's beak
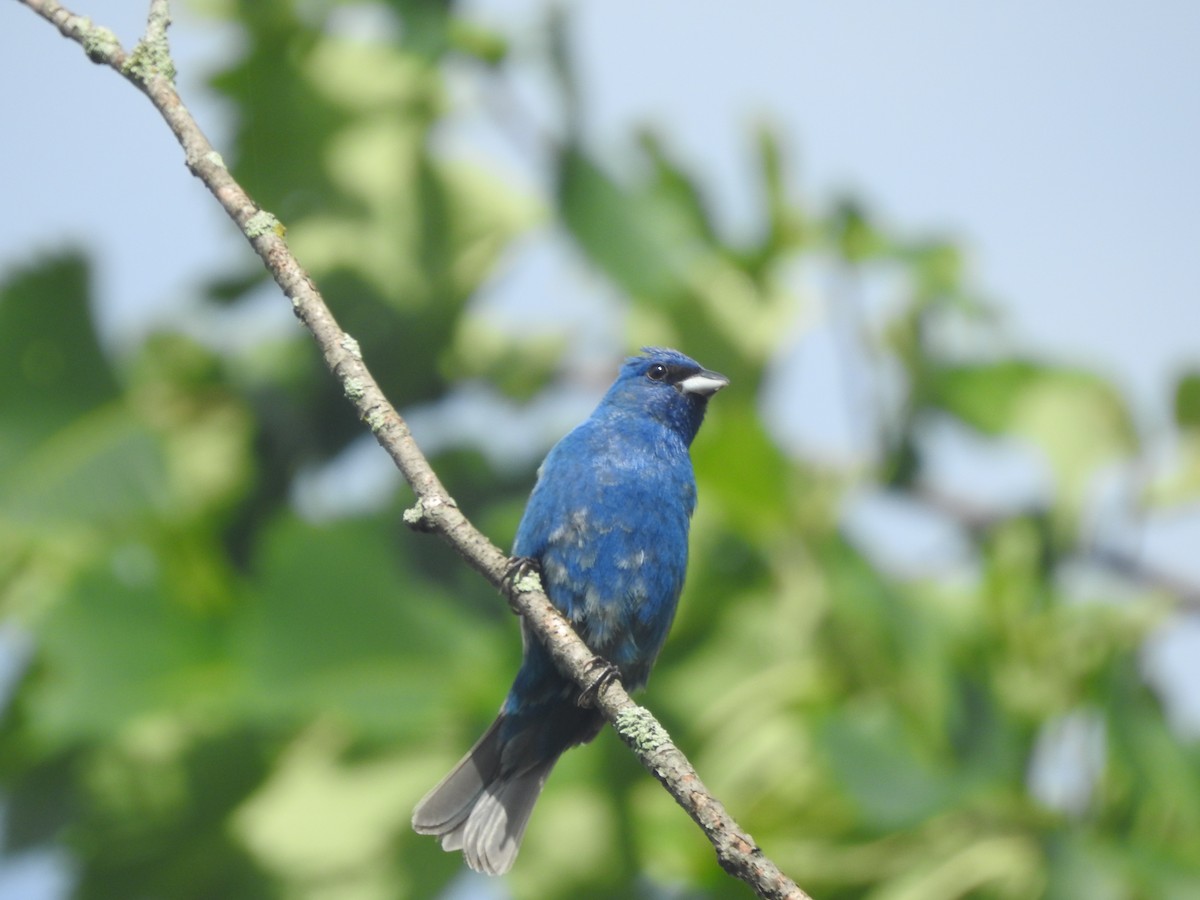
[[704, 383]]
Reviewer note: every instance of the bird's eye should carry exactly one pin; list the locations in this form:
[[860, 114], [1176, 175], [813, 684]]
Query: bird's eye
[[656, 372]]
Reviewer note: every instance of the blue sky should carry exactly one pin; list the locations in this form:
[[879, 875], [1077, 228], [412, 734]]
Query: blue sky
[[1058, 141]]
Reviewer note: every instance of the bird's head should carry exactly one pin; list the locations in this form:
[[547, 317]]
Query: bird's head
[[667, 386]]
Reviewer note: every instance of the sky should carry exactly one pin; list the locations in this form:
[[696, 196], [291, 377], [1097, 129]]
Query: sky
[[1058, 141]]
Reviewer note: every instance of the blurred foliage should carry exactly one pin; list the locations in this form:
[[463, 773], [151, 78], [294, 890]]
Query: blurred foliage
[[223, 699]]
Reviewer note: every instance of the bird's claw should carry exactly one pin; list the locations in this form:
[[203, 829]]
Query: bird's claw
[[605, 673], [520, 568]]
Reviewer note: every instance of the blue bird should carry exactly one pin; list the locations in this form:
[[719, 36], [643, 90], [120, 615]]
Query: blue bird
[[607, 525]]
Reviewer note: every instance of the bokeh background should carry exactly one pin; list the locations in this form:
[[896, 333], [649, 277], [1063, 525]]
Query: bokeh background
[[943, 612]]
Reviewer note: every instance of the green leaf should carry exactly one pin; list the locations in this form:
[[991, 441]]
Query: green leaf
[[1147, 759], [157, 819], [676, 189], [1080, 865], [785, 225], [336, 625], [104, 469], [876, 763], [936, 269], [473, 39], [51, 366], [520, 367], [1077, 419], [633, 240], [987, 396], [1180, 482], [71, 451], [856, 237], [318, 778], [742, 469], [1187, 401], [285, 118], [118, 648]]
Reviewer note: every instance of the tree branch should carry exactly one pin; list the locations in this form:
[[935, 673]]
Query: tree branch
[[1128, 564], [150, 68]]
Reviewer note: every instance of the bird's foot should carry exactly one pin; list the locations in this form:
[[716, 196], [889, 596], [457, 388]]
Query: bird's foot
[[524, 573], [605, 673]]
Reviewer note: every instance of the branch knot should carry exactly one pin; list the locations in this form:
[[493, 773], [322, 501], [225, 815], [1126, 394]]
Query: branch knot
[[422, 515]]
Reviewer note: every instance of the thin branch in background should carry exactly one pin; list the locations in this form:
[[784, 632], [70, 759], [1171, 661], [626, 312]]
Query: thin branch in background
[[1130, 565], [1127, 563], [150, 68]]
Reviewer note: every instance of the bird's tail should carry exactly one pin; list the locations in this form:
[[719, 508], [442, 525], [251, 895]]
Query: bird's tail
[[482, 806]]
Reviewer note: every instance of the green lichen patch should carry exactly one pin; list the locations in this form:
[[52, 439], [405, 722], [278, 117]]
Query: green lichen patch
[[260, 223], [150, 58], [99, 43], [640, 727]]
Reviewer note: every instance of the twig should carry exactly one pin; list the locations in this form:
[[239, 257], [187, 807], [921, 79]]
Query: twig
[[150, 68], [1128, 564]]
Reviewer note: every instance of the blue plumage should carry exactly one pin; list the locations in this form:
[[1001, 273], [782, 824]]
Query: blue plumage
[[607, 524]]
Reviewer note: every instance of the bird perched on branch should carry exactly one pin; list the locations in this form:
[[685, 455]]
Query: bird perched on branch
[[607, 526]]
